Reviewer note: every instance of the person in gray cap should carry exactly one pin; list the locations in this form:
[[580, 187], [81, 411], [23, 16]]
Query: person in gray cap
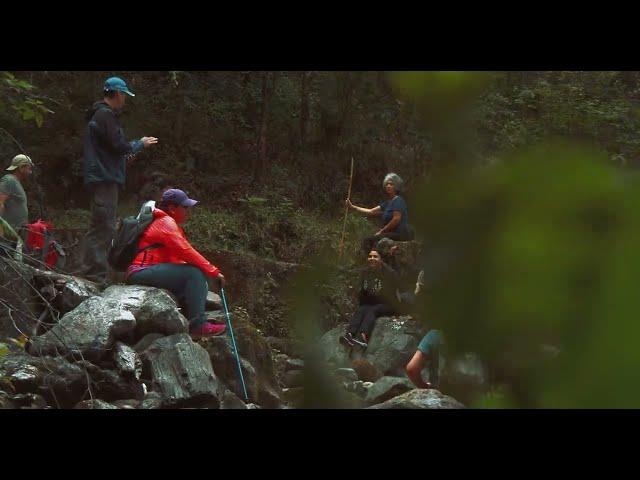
[[105, 156], [13, 199]]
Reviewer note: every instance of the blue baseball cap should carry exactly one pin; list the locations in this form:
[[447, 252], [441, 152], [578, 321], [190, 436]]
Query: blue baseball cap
[[118, 85], [177, 197]]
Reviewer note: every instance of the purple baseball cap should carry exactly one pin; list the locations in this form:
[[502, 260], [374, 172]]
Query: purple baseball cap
[[177, 197]]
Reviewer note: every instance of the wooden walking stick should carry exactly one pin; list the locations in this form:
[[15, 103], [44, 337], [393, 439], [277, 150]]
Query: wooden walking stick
[[346, 210]]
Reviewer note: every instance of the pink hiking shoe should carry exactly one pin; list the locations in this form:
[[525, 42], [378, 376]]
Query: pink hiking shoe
[[207, 330]]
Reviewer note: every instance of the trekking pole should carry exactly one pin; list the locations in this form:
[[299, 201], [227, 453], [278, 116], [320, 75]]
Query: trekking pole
[[346, 210], [233, 342]]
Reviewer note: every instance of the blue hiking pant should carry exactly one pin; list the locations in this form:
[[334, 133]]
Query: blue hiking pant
[[186, 282]]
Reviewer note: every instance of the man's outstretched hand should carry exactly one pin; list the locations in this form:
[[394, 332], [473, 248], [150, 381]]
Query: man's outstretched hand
[[148, 141]]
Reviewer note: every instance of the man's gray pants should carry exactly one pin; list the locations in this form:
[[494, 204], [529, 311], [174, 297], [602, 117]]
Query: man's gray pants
[[104, 205]]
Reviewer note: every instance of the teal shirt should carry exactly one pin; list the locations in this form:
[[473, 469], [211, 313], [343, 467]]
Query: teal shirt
[[16, 212]]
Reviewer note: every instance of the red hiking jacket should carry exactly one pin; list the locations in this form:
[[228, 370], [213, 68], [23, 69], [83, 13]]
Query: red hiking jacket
[[176, 248]]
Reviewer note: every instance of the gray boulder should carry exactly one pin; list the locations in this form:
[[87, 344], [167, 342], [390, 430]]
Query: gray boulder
[[347, 374], [145, 341], [358, 387], [91, 329], [29, 400], [127, 361], [74, 291], [386, 388], [152, 401], [180, 370], [420, 399], [393, 342], [108, 385], [95, 404], [154, 309], [128, 404], [214, 302], [230, 401]]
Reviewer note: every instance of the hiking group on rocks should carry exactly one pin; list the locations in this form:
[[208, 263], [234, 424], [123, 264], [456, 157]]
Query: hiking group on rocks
[[152, 249], [386, 288]]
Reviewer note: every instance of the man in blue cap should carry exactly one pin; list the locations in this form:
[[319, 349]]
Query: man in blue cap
[[105, 152]]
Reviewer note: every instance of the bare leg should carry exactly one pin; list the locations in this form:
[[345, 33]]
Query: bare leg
[[414, 369]]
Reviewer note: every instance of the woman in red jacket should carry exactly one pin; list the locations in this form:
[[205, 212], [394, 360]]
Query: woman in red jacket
[[167, 260]]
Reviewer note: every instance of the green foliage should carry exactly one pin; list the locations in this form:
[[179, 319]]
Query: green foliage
[[69, 219], [18, 93], [545, 254], [272, 227]]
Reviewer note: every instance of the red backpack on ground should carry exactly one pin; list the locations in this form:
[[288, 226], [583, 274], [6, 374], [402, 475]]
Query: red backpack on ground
[[41, 245]]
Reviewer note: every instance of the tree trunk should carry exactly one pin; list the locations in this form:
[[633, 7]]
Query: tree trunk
[[304, 106], [268, 88], [180, 95]]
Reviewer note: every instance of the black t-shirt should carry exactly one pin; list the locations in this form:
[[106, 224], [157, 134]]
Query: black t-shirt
[[378, 285]]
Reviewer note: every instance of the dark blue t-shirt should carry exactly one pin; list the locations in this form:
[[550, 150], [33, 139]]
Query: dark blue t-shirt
[[396, 205]]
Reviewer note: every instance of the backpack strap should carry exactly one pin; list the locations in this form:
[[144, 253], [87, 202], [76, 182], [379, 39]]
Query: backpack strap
[[150, 247], [45, 245]]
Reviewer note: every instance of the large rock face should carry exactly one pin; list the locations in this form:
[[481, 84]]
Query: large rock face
[[420, 399], [60, 382], [154, 309], [122, 312], [91, 329], [180, 370], [258, 368], [393, 342]]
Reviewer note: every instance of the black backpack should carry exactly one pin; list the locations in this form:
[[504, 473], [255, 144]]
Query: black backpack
[[124, 247]]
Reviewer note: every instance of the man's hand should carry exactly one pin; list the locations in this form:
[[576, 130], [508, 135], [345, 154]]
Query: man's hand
[[148, 141], [221, 279], [348, 203]]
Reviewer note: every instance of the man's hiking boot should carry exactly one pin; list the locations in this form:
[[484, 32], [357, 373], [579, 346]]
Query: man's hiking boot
[[207, 330], [347, 340]]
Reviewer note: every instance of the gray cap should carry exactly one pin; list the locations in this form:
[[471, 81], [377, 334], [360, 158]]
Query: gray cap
[[19, 161]]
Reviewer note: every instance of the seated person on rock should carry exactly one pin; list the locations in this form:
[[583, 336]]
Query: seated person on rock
[[395, 221], [428, 353], [167, 260], [410, 280], [378, 285]]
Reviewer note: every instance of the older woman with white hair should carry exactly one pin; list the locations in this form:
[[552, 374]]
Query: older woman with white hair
[[395, 221]]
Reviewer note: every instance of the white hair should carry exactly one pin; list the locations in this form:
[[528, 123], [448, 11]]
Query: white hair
[[398, 184]]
